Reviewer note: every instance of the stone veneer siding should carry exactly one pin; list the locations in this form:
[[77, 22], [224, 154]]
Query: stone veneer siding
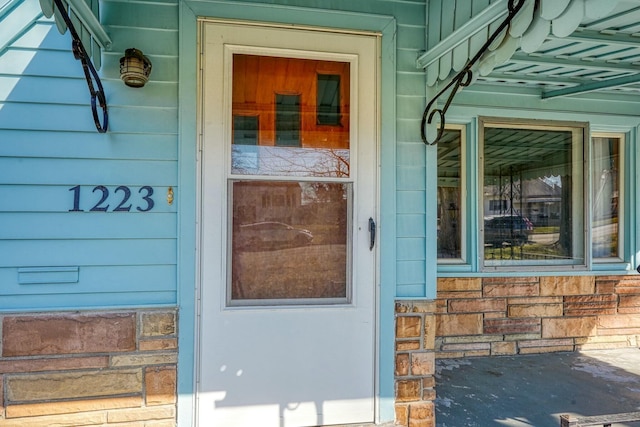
[[415, 363], [88, 369], [523, 315]]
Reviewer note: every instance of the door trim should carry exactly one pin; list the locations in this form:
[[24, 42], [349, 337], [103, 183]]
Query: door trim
[[188, 191], [219, 40]]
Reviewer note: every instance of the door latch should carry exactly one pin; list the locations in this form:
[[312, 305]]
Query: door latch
[[372, 233]]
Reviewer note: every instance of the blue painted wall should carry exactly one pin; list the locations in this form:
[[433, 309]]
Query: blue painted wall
[[49, 145], [51, 258]]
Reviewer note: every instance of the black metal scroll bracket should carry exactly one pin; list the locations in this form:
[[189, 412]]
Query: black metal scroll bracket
[[462, 79], [90, 73]]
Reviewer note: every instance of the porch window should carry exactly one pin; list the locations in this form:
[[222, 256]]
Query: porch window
[[532, 193], [607, 209], [450, 195]]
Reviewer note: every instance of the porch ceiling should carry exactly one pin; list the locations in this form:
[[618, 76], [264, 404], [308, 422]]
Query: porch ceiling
[[602, 54]]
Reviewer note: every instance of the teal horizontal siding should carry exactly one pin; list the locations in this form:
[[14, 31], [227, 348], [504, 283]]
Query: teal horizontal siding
[[411, 154], [30, 116], [411, 272], [44, 63], [15, 303], [140, 15], [96, 279], [166, 41], [52, 258], [408, 131], [411, 36], [411, 201], [47, 118], [406, 12], [16, 199], [414, 290], [411, 178], [411, 249], [409, 83], [111, 252], [88, 225], [87, 172], [39, 90], [79, 145], [410, 104], [410, 225], [41, 36]]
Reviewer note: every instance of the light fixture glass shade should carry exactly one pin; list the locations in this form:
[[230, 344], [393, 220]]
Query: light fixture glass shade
[[134, 68]]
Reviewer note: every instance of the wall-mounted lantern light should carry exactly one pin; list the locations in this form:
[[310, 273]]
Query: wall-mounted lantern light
[[134, 68]]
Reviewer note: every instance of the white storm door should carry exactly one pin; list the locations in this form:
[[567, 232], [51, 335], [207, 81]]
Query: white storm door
[[287, 308]]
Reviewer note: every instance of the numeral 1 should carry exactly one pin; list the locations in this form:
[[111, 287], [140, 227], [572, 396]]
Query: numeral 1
[[76, 199]]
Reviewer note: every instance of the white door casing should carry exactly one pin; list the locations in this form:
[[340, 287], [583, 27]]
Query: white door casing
[[283, 363]]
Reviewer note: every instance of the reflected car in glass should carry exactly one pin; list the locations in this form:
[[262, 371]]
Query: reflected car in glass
[[269, 235], [509, 230]]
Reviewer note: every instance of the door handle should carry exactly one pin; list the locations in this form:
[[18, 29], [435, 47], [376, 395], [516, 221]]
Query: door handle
[[372, 233]]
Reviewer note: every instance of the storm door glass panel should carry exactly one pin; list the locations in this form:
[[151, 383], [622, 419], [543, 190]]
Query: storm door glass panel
[[449, 195], [290, 194], [605, 197], [291, 136], [289, 240], [532, 195]]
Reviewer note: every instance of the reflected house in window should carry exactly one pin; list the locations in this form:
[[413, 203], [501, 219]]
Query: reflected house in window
[[290, 117], [537, 199], [295, 102], [544, 201], [268, 201]]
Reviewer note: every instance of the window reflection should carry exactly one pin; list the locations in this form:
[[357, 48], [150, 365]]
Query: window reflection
[[532, 195], [289, 161], [289, 240], [605, 197], [291, 116], [449, 197]]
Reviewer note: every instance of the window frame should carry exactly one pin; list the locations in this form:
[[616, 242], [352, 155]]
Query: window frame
[[579, 160], [348, 180], [463, 208], [622, 196]]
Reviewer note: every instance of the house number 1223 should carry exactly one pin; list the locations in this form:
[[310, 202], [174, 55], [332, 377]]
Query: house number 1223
[[121, 196]]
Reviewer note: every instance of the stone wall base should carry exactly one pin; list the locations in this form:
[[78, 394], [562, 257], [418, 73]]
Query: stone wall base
[[88, 369], [524, 315], [415, 363]]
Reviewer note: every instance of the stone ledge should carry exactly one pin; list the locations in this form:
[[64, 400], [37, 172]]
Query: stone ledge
[[69, 385], [68, 333], [9, 366], [72, 406]]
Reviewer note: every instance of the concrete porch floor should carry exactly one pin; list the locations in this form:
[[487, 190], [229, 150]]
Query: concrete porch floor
[[534, 390]]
